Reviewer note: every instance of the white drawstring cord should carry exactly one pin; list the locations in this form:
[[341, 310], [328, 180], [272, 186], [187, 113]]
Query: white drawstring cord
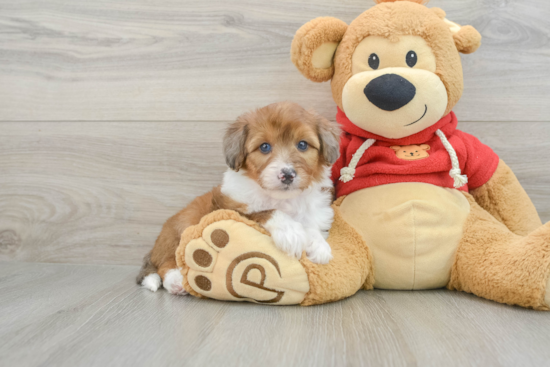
[[348, 173], [455, 172]]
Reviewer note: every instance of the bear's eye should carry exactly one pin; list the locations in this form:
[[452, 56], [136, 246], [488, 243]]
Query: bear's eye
[[411, 58], [374, 61]]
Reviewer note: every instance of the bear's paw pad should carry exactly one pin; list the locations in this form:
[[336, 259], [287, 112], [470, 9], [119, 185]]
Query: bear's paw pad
[[233, 261]]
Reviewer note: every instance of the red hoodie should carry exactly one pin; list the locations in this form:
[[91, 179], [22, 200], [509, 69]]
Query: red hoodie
[[380, 164]]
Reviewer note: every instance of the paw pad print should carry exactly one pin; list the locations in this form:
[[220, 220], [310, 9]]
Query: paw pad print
[[231, 260]]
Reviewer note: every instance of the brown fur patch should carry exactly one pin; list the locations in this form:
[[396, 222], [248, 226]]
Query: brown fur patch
[[260, 217], [162, 257], [162, 254], [221, 201]]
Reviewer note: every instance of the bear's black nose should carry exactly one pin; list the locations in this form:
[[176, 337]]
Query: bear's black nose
[[390, 92]]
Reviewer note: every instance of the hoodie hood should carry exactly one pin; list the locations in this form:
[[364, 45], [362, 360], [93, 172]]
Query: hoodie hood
[[447, 124]]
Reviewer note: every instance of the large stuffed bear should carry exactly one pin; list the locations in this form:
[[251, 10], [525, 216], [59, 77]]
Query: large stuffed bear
[[419, 204]]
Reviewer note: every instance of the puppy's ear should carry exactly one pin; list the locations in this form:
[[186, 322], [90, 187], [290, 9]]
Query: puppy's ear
[[329, 137], [314, 46], [467, 38], [234, 143], [395, 147], [425, 147]]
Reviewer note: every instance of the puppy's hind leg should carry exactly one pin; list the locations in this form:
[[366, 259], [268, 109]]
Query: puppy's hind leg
[[159, 265], [171, 278], [148, 277]]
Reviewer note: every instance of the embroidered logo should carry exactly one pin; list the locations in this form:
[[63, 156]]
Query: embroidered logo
[[411, 152]]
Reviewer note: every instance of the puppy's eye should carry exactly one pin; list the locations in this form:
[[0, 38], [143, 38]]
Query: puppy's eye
[[265, 148], [374, 61], [302, 145], [411, 58]]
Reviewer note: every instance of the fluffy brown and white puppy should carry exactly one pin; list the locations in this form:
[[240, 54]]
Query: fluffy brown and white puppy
[[279, 159]]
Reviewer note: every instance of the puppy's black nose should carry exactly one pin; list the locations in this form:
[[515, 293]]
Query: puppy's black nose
[[287, 175], [389, 92]]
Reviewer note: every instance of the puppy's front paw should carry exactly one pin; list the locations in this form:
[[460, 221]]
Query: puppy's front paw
[[318, 250], [173, 282], [288, 235]]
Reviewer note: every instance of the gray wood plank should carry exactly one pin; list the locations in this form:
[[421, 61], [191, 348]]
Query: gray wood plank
[[75, 192], [91, 315], [210, 60], [80, 192]]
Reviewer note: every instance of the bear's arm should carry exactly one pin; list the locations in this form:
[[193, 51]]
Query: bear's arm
[[504, 198]]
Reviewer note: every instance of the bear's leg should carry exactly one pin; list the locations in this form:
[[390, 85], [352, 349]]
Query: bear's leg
[[228, 257], [494, 263], [348, 271]]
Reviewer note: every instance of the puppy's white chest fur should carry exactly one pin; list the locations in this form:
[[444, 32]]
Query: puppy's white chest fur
[[305, 206], [301, 219]]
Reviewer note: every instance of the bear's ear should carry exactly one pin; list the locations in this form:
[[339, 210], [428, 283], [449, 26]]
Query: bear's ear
[[395, 147], [314, 46], [425, 147], [439, 12], [467, 38]]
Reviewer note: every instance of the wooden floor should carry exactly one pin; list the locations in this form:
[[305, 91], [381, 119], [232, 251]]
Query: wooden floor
[[93, 315], [111, 118]]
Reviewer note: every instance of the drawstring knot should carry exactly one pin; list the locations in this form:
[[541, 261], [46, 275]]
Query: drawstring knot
[[348, 173], [455, 172]]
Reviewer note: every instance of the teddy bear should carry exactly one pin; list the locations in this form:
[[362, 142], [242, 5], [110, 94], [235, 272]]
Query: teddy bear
[[418, 204]]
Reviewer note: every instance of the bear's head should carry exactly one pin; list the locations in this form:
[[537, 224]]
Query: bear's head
[[394, 71]]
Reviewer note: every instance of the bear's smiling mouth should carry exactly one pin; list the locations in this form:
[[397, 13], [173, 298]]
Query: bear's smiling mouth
[[425, 110]]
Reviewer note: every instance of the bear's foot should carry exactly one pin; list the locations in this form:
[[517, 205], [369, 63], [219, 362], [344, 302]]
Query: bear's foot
[[228, 257], [494, 263]]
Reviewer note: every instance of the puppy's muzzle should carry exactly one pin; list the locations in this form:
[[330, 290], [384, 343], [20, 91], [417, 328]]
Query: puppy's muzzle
[[390, 92], [287, 175]]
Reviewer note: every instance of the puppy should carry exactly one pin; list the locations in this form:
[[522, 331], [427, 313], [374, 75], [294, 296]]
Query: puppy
[[279, 159]]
